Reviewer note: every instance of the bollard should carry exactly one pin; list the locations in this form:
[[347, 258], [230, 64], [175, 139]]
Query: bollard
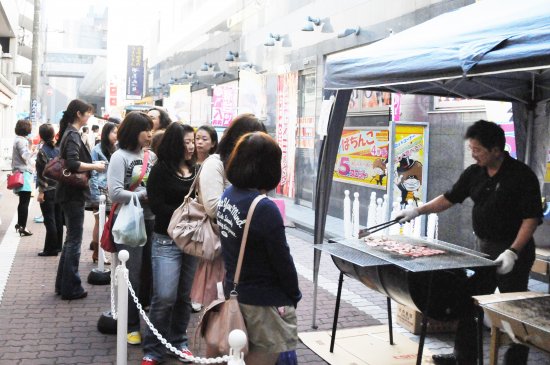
[[396, 228], [431, 231], [380, 216], [417, 226], [99, 275], [347, 215], [122, 310], [371, 214], [355, 215], [237, 341]]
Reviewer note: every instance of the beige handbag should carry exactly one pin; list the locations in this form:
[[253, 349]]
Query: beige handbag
[[192, 229], [223, 316]]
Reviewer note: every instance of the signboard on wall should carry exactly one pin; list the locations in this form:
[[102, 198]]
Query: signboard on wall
[[200, 107], [306, 132], [547, 175], [362, 157], [287, 109], [179, 107], [224, 104], [365, 101], [252, 96], [409, 162], [134, 73]]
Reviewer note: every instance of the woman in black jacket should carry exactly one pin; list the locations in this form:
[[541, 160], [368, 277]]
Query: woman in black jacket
[[77, 159]]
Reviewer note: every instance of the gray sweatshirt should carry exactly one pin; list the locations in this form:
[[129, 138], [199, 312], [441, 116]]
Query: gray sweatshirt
[[21, 155], [124, 169]]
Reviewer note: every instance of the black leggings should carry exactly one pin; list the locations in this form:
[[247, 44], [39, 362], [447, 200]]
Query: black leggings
[[23, 208]]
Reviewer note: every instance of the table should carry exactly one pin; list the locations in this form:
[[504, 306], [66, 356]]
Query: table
[[523, 316]]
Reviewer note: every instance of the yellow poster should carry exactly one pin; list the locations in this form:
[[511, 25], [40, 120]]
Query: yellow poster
[[408, 162], [547, 175], [362, 157]]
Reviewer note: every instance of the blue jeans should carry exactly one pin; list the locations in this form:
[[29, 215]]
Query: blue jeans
[[67, 282], [173, 273], [135, 267]]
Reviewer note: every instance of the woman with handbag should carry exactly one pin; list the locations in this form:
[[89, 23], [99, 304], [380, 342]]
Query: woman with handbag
[[211, 184], [98, 181], [72, 198], [173, 270], [267, 289], [127, 177], [51, 211], [21, 164]]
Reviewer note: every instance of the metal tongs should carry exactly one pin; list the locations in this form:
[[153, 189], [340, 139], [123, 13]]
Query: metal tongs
[[367, 231]]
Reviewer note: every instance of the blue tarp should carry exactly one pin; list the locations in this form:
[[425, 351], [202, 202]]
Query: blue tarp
[[494, 49]]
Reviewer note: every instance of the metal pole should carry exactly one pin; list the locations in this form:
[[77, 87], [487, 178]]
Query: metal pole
[[35, 62], [122, 311]]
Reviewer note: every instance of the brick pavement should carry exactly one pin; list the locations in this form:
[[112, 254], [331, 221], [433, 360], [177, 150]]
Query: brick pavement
[[39, 328]]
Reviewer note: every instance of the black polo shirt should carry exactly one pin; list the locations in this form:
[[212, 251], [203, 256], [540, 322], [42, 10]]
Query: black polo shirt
[[501, 202]]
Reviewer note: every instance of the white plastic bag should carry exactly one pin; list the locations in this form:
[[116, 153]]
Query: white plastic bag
[[129, 226]]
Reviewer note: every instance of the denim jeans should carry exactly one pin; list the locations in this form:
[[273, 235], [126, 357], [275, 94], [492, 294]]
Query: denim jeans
[[67, 282], [173, 273], [53, 221], [135, 267]]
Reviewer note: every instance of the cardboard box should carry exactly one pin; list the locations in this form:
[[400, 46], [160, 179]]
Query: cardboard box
[[411, 320], [540, 267]]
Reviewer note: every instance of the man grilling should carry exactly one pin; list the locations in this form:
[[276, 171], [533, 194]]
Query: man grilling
[[507, 210]]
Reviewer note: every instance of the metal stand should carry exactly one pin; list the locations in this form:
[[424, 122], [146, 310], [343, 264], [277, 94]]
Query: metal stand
[[424, 325], [390, 326], [336, 310], [479, 320]]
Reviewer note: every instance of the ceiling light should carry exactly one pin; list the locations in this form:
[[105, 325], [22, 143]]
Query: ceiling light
[[206, 66], [270, 42], [231, 56], [349, 31], [310, 23]]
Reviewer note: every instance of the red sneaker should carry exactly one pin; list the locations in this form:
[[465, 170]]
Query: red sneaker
[[186, 352]]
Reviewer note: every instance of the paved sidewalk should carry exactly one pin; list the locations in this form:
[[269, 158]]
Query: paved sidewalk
[[37, 327]]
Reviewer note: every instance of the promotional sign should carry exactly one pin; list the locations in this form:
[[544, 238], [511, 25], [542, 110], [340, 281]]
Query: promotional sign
[[409, 161], [369, 101], [547, 175], [252, 97], [200, 107], [134, 73], [306, 132], [224, 104], [362, 157], [287, 109]]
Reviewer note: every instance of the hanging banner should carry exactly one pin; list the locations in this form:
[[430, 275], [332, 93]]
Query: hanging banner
[[224, 104], [362, 157], [409, 162], [287, 109], [200, 107], [134, 73], [180, 103], [252, 97], [306, 132]]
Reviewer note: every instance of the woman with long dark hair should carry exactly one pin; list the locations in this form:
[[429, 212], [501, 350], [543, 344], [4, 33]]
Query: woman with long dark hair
[[72, 199], [125, 173], [161, 121], [20, 161], [169, 183], [51, 211], [98, 180], [212, 182]]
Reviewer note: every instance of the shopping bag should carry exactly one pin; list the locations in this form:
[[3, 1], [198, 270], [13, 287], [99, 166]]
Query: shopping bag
[[129, 226], [287, 358]]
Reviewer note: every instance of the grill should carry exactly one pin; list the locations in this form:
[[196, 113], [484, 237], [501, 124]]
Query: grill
[[434, 285]]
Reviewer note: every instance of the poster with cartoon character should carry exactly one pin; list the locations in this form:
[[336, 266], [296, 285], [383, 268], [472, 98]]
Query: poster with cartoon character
[[409, 163]]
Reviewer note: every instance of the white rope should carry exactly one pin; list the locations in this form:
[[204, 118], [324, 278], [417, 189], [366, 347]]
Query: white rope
[[169, 346]]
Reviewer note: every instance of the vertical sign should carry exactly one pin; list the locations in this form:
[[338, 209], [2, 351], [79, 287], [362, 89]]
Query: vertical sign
[[180, 106], [134, 75], [224, 104], [287, 109], [113, 93]]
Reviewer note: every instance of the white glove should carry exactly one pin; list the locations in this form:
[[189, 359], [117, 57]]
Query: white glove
[[507, 259], [407, 215]]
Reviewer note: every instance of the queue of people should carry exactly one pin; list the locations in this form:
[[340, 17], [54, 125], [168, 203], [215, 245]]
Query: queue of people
[[151, 158]]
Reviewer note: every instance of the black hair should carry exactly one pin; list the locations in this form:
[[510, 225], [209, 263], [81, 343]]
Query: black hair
[[171, 149], [47, 134], [213, 136], [84, 129], [95, 127], [488, 134], [164, 118], [69, 115], [23, 127], [255, 163], [128, 132], [242, 124], [106, 146]]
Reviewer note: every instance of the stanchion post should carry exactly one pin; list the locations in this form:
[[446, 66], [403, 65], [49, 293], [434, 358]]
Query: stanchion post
[[347, 215], [101, 256], [237, 341], [122, 310]]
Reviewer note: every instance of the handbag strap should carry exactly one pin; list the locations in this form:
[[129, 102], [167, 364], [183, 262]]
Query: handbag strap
[[136, 184], [245, 237], [195, 181]]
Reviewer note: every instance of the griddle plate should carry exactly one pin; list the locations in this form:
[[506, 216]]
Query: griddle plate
[[532, 311], [453, 258], [350, 254]]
